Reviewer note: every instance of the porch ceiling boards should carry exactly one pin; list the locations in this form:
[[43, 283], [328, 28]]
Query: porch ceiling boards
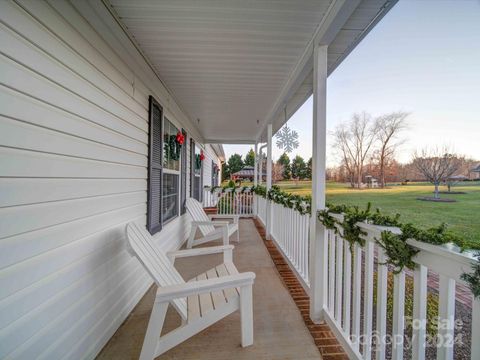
[[235, 64]]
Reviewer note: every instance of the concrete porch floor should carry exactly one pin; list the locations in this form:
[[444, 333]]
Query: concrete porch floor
[[279, 329]]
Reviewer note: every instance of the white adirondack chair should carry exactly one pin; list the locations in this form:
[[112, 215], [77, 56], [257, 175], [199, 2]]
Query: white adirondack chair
[[210, 229], [202, 301]]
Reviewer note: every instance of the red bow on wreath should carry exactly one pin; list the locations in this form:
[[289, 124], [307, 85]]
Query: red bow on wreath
[[180, 138], [202, 155]]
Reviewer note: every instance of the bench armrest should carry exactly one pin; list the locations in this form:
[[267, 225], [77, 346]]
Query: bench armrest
[[225, 216], [168, 293], [225, 249], [214, 223]]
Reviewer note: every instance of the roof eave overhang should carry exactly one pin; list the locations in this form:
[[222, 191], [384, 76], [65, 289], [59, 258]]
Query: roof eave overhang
[[297, 89]]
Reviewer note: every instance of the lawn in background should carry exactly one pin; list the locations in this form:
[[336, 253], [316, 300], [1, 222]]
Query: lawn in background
[[462, 217]]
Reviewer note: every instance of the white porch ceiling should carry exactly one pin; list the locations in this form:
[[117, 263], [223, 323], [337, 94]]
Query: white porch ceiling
[[228, 62]]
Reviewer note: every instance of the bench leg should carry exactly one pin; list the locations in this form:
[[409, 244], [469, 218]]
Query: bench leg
[[193, 231], [246, 315], [154, 328], [225, 235]]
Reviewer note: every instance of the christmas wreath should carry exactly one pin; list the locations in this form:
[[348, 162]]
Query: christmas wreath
[[198, 159], [173, 146]]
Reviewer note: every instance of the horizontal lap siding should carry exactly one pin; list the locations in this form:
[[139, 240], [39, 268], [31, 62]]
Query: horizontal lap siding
[[207, 165], [73, 173]]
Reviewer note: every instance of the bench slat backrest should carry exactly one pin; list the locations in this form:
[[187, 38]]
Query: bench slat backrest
[[195, 209], [155, 262]]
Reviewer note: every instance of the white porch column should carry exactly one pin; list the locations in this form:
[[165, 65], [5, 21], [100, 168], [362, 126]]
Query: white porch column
[[255, 168], [318, 241], [269, 180], [255, 179]]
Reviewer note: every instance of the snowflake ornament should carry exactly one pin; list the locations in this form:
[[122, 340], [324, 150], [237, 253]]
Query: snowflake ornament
[[287, 139]]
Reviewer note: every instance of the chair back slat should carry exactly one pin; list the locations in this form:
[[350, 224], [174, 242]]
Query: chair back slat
[[195, 209], [155, 262]]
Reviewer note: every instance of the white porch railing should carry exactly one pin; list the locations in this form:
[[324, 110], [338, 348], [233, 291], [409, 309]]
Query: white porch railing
[[261, 209], [230, 201], [352, 276], [290, 231]]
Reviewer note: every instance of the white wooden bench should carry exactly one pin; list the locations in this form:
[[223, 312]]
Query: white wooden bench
[[210, 229], [202, 301]]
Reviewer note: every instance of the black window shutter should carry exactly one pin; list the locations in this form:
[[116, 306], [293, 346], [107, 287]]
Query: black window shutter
[[184, 174], [213, 174], [155, 154], [200, 191], [192, 168]]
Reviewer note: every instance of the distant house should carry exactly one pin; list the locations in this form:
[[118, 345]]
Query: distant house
[[246, 174], [371, 181], [475, 172]]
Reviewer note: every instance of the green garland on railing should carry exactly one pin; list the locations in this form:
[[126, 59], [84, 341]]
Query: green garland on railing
[[398, 252], [302, 204], [224, 189], [473, 278]]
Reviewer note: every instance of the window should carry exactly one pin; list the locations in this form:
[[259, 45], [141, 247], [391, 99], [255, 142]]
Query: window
[[171, 172], [214, 174], [196, 172]]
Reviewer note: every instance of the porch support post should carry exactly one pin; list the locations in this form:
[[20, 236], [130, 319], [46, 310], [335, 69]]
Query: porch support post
[[269, 180], [318, 240], [255, 179]]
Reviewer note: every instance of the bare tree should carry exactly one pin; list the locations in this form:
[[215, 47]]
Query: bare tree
[[436, 165], [387, 129], [277, 172], [354, 142]]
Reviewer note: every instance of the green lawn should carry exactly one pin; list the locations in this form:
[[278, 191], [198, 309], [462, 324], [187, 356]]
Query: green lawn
[[462, 217]]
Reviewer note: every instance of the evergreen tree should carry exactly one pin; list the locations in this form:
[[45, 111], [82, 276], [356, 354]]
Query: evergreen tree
[[250, 158], [308, 171], [298, 167], [284, 160], [234, 164]]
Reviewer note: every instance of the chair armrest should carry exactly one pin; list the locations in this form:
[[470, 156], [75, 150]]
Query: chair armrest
[[214, 223], [167, 293], [225, 249], [225, 216]]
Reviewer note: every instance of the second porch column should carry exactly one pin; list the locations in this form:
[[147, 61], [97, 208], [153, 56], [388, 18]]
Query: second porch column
[[255, 179], [318, 241], [269, 180]]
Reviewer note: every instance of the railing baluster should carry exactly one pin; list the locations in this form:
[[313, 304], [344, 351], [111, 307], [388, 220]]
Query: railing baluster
[[419, 312], [331, 270], [339, 280], [446, 312], [368, 301], [357, 294], [398, 315], [347, 287], [475, 354], [382, 277]]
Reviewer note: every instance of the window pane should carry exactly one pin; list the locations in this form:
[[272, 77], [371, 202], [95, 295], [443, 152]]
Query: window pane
[[197, 162], [170, 196], [171, 150]]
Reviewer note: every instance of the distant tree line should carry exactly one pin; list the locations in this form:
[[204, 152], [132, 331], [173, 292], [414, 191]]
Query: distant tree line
[[283, 169]]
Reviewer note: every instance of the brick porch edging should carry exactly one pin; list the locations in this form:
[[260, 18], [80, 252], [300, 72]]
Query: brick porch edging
[[327, 344]]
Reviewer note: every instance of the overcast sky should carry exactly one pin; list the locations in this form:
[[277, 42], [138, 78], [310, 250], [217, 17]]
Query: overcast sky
[[423, 58]]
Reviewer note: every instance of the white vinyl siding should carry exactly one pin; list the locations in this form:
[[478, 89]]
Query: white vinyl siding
[[73, 172]]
